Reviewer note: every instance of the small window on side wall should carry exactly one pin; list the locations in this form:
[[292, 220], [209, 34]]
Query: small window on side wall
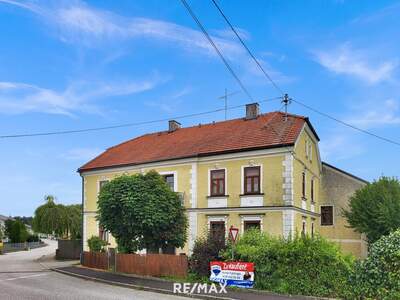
[[217, 183], [252, 180], [303, 185], [169, 180], [102, 183], [326, 215]]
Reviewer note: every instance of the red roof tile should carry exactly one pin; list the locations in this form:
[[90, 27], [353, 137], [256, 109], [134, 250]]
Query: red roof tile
[[267, 131]]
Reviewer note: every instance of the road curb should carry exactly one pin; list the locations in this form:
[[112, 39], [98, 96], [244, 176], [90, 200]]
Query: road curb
[[139, 287]]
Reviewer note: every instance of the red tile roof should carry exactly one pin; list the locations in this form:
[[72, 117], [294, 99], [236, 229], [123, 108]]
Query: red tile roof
[[267, 131]]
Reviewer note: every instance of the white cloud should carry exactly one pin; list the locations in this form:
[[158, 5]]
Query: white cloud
[[385, 114], [81, 154], [17, 98], [339, 145], [348, 61], [77, 22]]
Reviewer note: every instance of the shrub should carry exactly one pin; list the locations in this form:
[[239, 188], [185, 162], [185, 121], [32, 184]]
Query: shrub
[[206, 249], [378, 276], [298, 266], [96, 244], [33, 238]]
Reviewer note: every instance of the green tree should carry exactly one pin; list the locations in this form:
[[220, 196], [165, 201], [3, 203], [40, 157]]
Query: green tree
[[16, 231], [141, 212], [52, 218], [375, 209]]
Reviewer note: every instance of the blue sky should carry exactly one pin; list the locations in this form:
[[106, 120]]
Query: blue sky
[[75, 64]]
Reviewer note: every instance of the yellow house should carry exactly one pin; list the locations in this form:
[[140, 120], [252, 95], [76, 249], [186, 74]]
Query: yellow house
[[262, 170]]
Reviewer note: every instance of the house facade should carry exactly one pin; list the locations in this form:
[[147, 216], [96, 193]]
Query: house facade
[[262, 171]]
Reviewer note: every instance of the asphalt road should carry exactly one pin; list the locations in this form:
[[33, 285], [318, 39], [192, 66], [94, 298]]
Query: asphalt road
[[23, 277]]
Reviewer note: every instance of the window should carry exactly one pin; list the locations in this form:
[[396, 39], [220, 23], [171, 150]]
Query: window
[[312, 228], [217, 229], [252, 180], [326, 215], [304, 227], [253, 224], [102, 183], [103, 234], [303, 185], [312, 190], [169, 179], [217, 183]]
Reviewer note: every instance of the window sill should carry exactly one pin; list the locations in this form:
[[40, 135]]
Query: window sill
[[217, 196], [256, 194], [326, 225]]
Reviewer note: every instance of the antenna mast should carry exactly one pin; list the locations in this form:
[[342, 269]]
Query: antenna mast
[[286, 101]]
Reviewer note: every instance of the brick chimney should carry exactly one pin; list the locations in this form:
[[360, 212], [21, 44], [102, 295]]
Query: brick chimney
[[252, 111], [173, 125]]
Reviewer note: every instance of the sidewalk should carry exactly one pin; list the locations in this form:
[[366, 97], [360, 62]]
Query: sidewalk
[[165, 286]]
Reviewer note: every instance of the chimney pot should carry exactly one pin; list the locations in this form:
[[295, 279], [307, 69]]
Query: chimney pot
[[252, 111], [173, 125]]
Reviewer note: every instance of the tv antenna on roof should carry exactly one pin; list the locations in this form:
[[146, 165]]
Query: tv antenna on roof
[[286, 101], [225, 97]]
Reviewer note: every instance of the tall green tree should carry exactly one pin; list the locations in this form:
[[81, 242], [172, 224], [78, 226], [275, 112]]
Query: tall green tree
[[52, 218], [16, 231], [375, 209], [141, 212]]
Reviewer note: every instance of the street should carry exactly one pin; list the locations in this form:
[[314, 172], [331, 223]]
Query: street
[[23, 277]]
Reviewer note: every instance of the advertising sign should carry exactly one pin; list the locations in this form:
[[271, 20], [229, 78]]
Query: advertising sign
[[235, 273]]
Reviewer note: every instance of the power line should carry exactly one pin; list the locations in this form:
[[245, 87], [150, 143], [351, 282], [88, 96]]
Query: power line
[[347, 124], [62, 132], [247, 48], [296, 101], [210, 40]]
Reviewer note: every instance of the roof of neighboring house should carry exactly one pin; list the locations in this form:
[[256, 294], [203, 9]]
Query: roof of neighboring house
[[266, 131], [4, 218], [344, 172]]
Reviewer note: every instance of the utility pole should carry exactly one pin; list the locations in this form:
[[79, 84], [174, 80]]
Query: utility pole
[[225, 98], [286, 101]]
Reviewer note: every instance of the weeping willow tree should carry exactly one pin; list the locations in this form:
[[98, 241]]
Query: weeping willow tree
[[57, 219]]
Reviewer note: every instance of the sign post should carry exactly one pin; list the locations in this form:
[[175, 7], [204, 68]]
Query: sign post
[[233, 233]]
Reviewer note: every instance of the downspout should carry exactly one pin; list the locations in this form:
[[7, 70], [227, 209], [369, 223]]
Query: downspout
[[83, 219]]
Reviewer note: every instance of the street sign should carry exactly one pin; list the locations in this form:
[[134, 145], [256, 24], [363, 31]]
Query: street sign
[[233, 233]]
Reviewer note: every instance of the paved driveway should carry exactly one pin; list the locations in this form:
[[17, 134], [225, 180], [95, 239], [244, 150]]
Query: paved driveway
[[23, 277]]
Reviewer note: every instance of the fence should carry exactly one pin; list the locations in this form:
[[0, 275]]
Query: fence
[[12, 247], [97, 260], [147, 265]]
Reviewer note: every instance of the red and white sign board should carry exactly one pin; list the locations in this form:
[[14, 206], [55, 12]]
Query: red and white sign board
[[233, 233], [235, 273]]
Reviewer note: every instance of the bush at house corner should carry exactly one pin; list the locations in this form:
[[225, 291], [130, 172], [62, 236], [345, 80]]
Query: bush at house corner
[[378, 276], [96, 244], [298, 266]]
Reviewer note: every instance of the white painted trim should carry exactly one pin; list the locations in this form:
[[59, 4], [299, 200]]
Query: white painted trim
[[251, 210], [251, 164], [217, 218], [209, 180], [192, 230], [288, 218], [333, 215], [186, 161], [215, 202], [244, 218], [175, 173], [251, 200]]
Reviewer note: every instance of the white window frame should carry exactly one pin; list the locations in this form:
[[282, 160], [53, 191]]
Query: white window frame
[[244, 218], [218, 219], [333, 215], [209, 181], [304, 197], [261, 178], [175, 173], [101, 179]]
